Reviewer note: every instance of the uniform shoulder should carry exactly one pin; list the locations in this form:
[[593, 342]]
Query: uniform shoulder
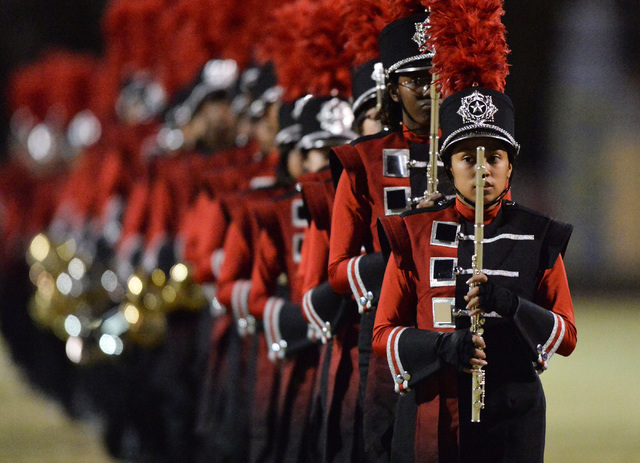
[[286, 195], [353, 155], [556, 233], [439, 206], [376, 136], [394, 236], [518, 208], [513, 207]]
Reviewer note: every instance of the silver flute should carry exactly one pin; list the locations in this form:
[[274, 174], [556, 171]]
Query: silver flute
[[477, 321], [432, 168]]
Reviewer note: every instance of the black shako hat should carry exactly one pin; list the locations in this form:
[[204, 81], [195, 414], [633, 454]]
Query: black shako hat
[[325, 122], [363, 84], [402, 45], [477, 112], [290, 130], [264, 91], [216, 81]]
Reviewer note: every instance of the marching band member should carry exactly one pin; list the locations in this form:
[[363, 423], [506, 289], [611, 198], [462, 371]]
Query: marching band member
[[520, 289], [383, 174]]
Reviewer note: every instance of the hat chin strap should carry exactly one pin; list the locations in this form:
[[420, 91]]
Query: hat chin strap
[[405, 111], [470, 203]]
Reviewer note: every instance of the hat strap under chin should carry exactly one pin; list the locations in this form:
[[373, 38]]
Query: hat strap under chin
[[471, 203]]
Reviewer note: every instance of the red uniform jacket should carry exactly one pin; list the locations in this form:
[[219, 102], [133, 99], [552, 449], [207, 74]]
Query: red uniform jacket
[[321, 305], [361, 196], [234, 280], [283, 226], [523, 252]]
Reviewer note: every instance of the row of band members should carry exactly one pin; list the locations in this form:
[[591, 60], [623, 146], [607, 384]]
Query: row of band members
[[333, 282]]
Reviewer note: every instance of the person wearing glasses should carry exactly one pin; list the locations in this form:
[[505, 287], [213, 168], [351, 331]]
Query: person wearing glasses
[[382, 174]]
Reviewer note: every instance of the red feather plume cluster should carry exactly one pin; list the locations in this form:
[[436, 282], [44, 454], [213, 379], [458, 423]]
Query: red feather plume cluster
[[131, 34], [278, 47], [306, 42], [24, 91], [31, 86], [105, 91], [183, 44], [226, 27], [242, 28], [470, 43], [402, 8], [362, 21]]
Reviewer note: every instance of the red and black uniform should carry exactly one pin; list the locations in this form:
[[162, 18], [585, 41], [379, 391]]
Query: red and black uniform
[[278, 305], [219, 189], [130, 245], [333, 319], [232, 406], [237, 253], [216, 195], [201, 233], [366, 190], [523, 253], [318, 194]]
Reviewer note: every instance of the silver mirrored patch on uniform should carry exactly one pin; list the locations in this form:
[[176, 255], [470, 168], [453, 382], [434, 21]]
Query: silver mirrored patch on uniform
[[442, 271], [297, 215], [396, 199], [395, 163], [445, 234], [298, 238], [442, 309]]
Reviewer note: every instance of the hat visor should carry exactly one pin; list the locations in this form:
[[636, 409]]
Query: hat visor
[[412, 64], [512, 147], [289, 135], [413, 67], [323, 139]]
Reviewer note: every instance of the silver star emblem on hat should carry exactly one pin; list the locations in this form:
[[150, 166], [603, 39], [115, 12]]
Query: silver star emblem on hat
[[421, 35], [335, 116], [477, 108]]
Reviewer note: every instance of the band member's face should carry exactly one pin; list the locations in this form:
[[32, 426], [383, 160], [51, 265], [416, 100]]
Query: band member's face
[[412, 92], [295, 163], [497, 165], [371, 124], [316, 159], [266, 129], [220, 121]]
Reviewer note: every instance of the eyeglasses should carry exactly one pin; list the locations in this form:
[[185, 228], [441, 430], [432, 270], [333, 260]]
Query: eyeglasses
[[419, 84]]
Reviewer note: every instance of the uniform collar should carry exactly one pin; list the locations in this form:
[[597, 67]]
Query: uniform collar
[[469, 213], [414, 137]]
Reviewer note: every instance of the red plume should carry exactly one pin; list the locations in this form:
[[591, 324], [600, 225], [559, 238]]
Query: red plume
[[226, 26], [72, 72], [246, 24], [131, 34], [183, 44], [362, 21], [469, 39], [306, 44], [237, 27], [24, 90], [402, 8], [106, 84], [278, 46]]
